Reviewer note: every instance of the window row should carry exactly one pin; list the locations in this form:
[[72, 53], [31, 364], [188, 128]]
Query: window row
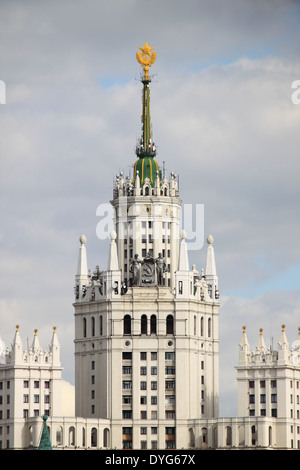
[[93, 326], [127, 320], [127, 370], [169, 414], [169, 355]]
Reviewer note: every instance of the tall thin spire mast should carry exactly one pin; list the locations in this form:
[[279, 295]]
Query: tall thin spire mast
[[146, 149]]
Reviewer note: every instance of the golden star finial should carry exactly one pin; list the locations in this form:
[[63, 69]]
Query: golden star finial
[[146, 50], [146, 58]]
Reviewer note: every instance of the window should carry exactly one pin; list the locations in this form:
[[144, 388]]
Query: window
[[36, 384], [180, 288], [170, 384], [25, 398], [47, 384], [209, 327], [127, 325], [126, 370], [144, 325], [127, 414], [153, 400], [273, 384], [154, 370], [170, 356], [93, 326], [153, 325], [153, 356], [84, 327], [143, 430], [170, 325], [36, 398], [273, 398], [153, 385], [170, 370], [143, 400], [101, 325], [262, 398], [252, 398], [127, 355], [127, 384], [143, 356], [127, 399], [143, 371], [26, 384], [143, 414], [143, 385], [251, 383]]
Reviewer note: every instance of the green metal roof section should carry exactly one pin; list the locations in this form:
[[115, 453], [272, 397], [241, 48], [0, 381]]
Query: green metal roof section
[[45, 443]]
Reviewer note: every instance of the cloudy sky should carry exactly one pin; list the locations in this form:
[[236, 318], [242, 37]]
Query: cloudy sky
[[223, 119]]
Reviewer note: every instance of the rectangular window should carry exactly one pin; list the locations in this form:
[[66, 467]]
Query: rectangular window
[[127, 399], [36, 384], [143, 356], [153, 385], [153, 356], [153, 370], [143, 385], [36, 398], [127, 384], [273, 398], [153, 400], [26, 384], [170, 356], [143, 370], [126, 370], [47, 384], [143, 414], [251, 398], [170, 370], [25, 398], [143, 400]]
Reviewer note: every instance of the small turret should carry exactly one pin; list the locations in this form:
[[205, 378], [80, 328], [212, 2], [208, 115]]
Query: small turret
[[244, 348], [82, 276], [210, 270]]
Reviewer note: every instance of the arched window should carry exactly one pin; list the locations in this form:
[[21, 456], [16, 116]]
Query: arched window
[[209, 327], [93, 326], [201, 326], [144, 325], [106, 438], [170, 325], [94, 437], [153, 325], [101, 325], [84, 327], [127, 325], [71, 436]]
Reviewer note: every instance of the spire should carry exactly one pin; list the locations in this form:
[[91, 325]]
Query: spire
[[283, 339], [244, 340], [54, 341], [82, 269], [183, 254], [45, 443], [36, 343], [17, 339], [113, 264], [261, 342], [210, 269], [146, 150], [210, 258]]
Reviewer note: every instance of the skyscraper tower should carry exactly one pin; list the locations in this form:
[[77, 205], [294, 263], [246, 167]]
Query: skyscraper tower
[[146, 329]]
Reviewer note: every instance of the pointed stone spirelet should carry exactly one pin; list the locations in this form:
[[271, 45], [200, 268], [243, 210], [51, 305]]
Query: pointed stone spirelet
[[113, 263], [183, 254]]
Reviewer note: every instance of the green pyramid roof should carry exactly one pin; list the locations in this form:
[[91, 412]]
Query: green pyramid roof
[[45, 443]]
